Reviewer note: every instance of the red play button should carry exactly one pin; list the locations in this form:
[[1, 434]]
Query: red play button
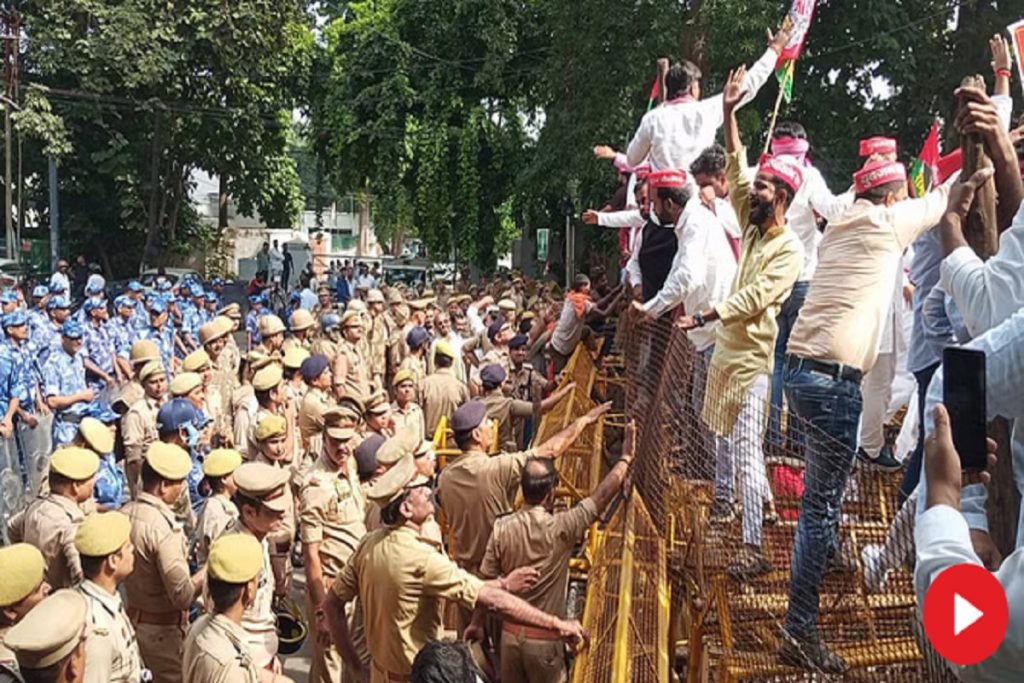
[[965, 614]]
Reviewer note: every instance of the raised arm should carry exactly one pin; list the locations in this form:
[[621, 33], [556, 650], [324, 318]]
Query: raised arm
[[560, 442]]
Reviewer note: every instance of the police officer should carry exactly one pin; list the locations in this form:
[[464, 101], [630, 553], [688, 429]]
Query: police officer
[[50, 522], [48, 641], [65, 388], [122, 332], [47, 338], [350, 373], [512, 413], [223, 380], [161, 589], [377, 337], [232, 355], [331, 525], [301, 323], [138, 427], [475, 487], [536, 537], [218, 511], [271, 330], [216, 650], [23, 587], [98, 346], [316, 373], [112, 650], [402, 582], [405, 412], [272, 444], [377, 415], [441, 392], [263, 501], [256, 311], [37, 312], [111, 490], [161, 332]]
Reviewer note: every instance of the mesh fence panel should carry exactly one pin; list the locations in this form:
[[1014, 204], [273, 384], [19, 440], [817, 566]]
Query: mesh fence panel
[[675, 590]]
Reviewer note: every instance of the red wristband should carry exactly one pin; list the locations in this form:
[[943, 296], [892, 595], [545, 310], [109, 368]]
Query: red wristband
[[1004, 72]]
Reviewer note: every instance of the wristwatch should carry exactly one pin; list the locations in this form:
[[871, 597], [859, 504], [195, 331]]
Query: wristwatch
[[698, 319]]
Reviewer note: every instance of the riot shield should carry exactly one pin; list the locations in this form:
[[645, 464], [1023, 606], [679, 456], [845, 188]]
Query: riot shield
[[36, 446]]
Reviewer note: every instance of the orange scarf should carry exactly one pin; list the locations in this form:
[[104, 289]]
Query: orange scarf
[[579, 302]]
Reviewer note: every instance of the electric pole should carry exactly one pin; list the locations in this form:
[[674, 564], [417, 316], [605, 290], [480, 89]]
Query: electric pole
[[11, 37]]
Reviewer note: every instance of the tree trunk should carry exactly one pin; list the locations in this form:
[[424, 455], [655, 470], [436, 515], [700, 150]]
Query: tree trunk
[[152, 248], [222, 203]]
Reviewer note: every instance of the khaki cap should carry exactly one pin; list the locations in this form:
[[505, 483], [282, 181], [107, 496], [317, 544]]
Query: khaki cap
[[294, 356], [395, 296], [358, 305], [351, 318], [350, 407], [403, 375], [271, 426], [22, 566], [396, 448], [221, 462], [195, 361], [102, 533], [264, 483], [301, 320], [144, 350], [231, 311], [459, 298], [185, 383], [444, 347], [75, 463], [507, 305], [420, 304], [267, 378], [258, 360], [374, 296], [270, 325], [169, 461], [235, 558], [50, 631], [97, 435], [151, 369], [393, 483], [214, 330], [378, 403], [336, 424]]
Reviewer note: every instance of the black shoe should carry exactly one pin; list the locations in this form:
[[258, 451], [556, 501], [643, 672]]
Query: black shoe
[[809, 653], [749, 564], [884, 462], [722, 512]]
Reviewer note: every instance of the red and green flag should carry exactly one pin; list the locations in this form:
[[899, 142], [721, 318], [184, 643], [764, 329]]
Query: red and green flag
[[655, 92], [924, 169], [800, 15]]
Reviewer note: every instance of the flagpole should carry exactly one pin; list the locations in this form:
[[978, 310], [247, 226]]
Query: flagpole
[[775, 116]]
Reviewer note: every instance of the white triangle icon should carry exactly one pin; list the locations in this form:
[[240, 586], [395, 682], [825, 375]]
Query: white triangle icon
[[964, 614]]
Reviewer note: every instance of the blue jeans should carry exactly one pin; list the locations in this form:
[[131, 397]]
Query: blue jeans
[[786, 319], [829, 410]]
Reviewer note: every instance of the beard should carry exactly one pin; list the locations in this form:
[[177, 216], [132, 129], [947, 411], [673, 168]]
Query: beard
[[760, 212]]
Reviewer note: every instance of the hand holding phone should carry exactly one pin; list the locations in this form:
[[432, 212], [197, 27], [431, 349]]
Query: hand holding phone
[[963, 390]]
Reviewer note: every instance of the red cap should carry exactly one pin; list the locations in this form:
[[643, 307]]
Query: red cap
[[877, 145], [642, 171], [876, 173], [784, 168], [668, 177]]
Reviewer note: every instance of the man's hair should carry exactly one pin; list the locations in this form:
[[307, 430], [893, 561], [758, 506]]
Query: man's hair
[[597, 272], [781, 186], [223, 594], [263, 396], [240, 499], [463, 439], [710, 162], [216, 484], [678, 195], [877, 195], [442, 361], [149, 476], [538, 479], [680, 78], [92, 565], [59, 481], [790, 129], [580, 281], [443, 661], [49, 674], [391, 514]]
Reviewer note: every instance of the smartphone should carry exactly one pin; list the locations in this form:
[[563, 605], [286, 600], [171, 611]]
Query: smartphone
[[963, 392]]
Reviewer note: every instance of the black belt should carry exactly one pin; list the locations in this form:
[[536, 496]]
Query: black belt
[[832, 369], [69, 418]]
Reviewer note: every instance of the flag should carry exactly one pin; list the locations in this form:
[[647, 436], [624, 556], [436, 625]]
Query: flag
[[924, 170], [655, 91], [1017, 40], [800, 15]]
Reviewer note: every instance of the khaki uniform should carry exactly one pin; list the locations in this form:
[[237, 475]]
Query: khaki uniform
[[217, 514], [333, 510], [510, 414], [315, 403], [377, 338], [440, 394], [402, 583], [279, 543], [259, 625], [111, 648], [498, 355], [7, 657], [324, 347], [418, 367], [526, 383], [533, 537], [474, 489], [138, 430], [50, 523], [215, 652], [409, 420], [394, 345], [355, 379], [159, 592], [222, 388], [131, 392], [244, 407], [231, 357], [294, 342]]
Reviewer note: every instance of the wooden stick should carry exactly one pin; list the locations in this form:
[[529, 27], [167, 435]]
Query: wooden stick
[[663, 67], [771, 126], [980, 224]]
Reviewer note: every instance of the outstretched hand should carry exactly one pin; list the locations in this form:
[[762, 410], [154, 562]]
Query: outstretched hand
[[1000, 50], [961, 194], [604, 152], [778, 40], [735, 89]]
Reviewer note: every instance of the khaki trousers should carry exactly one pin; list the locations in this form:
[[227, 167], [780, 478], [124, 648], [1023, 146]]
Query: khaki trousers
[[162, 649], [526, 660]]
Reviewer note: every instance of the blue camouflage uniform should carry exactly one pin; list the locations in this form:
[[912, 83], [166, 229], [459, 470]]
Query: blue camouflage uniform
[[10, 387], [122, 331], [252, 318], [99, 349], [111, 490], [27, 368], [64, 375], [47, 337]]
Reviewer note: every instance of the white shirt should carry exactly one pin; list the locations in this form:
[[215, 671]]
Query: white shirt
[[569, 328], [702, 271], [368, 281], [476, 322], [942, 540], [630, 218], [308, 299], [276, 260], [63, 280], [673, 134]]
